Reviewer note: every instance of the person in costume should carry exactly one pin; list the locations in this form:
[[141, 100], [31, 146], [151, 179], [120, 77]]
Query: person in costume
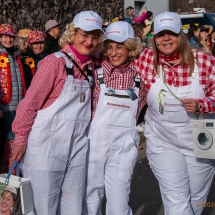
[[35, 53], [12, 88], [118, 97], [181, 87], [51, 121]]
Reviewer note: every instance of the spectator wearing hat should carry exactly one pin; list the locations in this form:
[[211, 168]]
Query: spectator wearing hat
[[21, 40], [12, 87], [51, 121], [35, 53], [52, 30]]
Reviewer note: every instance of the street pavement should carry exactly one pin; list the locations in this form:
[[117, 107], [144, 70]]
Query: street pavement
[[145, 198]]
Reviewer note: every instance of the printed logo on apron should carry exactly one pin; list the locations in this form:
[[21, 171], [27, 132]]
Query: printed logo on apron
[[118, 105]]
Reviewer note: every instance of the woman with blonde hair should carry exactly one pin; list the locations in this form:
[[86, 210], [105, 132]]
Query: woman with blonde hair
[[51, 121], [118, 97], [204, 32], [180, 83]]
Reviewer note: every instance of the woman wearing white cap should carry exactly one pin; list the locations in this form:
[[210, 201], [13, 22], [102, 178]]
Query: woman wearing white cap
[[51, 121], [181, 86], [118, 97]]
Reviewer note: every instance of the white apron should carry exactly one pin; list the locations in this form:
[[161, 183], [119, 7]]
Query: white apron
[[112, 153], [55, 158], [184, 180], [174, 115]]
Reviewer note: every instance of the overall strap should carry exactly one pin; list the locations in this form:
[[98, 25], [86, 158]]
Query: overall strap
[[69, 64], [137, 80], [195, 73], [76, 65], [100, 75]]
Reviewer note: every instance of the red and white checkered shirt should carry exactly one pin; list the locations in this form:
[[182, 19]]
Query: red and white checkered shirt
[[118, 78], [177, 75], [45, 88]]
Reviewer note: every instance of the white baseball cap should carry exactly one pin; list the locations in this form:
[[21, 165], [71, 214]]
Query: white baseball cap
[[119, 31], [167, 21], [88, 21]]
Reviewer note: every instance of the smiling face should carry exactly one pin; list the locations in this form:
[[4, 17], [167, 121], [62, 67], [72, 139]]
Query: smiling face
[[86, 41], [6, 202], [7, 41], [117, 53], [167, 42], [38, 47]]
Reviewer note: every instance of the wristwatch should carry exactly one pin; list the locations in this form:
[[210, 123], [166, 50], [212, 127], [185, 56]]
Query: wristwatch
[[200, 108]]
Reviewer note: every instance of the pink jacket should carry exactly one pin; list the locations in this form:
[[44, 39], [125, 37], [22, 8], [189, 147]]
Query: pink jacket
[[140, 18]]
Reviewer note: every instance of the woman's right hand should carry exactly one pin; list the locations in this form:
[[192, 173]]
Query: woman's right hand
[[18, 152]]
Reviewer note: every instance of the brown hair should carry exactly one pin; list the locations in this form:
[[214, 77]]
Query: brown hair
[[128, 9], [138, 29], [186, 54], [12, 194]]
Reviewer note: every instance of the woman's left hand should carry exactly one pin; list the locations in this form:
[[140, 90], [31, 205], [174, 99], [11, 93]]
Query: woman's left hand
[[190, 105]]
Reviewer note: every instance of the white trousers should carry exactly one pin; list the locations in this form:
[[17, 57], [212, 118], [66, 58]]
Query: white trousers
[[112, 156], [184, 180], [58, 191]]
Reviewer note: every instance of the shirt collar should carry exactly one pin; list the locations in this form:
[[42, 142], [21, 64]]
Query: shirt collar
[[67, 49], [121, 69]]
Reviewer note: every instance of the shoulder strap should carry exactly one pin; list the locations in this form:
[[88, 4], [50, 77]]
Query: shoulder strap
[[137, 80], [69, 64], [100, 75], [76, 65]]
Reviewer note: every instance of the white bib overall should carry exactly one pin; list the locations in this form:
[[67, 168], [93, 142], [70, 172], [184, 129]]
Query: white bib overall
[[112, 153], [55, 158], [184, 180]]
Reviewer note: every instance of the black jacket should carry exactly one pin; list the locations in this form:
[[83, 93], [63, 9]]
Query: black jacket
[[51, 44]]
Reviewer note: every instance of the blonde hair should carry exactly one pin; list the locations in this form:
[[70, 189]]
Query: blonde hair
[[203, 42], [68, 37], [186, 54], [134, 47]]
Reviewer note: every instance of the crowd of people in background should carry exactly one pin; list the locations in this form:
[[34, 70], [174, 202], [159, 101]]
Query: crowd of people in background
[[99, 84]]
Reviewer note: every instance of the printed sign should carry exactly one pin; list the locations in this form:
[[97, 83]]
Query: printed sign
[[80, 83], [114, 104], [172, 105]]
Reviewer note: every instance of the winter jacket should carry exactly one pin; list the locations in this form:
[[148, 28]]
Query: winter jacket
[[16, 79], [51, 44]]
